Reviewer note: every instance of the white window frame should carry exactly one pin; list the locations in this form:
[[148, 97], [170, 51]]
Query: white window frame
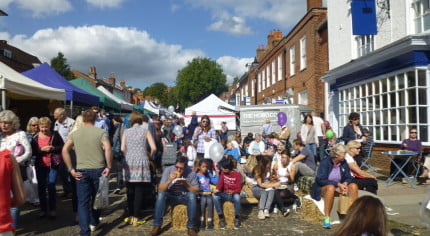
[[280, 67], [273, 72], [421, 13], [303, 97], [292, 60], [303, 64], [259, 81], [253, 87], [390, 105], [267, 70], [364, 44]]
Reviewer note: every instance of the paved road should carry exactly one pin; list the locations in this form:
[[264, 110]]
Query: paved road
[[112, 223]]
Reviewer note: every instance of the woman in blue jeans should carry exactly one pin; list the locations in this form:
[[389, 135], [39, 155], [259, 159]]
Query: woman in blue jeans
[[45, 144], [264, 188]]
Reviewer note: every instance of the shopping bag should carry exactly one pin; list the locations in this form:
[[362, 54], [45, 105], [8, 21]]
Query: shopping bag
[[102, 197], [31, 174], [344, 204]]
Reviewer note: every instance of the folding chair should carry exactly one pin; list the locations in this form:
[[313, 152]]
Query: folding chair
[[367, 158], [417, 163]]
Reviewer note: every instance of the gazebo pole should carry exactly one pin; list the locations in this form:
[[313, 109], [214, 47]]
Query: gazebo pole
[[3, 99], [71, 108]]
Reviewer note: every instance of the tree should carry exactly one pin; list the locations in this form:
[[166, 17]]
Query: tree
[[59, 63], [235, 79], [157, 91], [200, 78]]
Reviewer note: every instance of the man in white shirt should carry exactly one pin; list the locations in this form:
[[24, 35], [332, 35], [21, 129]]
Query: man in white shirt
[[63, 125], [320, 133]]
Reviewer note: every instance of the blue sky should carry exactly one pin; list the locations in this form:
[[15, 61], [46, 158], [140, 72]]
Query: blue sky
[[146, 41]]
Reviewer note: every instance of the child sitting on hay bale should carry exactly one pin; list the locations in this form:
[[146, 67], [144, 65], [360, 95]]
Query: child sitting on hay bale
[[228, 189]]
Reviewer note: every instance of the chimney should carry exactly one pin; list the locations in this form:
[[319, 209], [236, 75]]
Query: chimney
[[270, 39], [261, 49], [93, 73], [122, 84], [111, 79], [314, 4]]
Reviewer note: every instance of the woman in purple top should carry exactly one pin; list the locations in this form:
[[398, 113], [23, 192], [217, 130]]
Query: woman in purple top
[[333, 178]]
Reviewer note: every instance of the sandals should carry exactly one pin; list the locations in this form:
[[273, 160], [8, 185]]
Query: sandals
[[134, 221]]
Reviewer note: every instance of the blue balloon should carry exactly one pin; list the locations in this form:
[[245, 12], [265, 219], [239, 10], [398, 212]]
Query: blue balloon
[[282, 118]]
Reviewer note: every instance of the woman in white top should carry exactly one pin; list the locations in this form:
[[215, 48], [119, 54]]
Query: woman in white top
[[309, 137], [285, 171], [257, 146], [17, 143], [363, 179]]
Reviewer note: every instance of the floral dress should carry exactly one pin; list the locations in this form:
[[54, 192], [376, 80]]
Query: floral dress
[[136, 166]]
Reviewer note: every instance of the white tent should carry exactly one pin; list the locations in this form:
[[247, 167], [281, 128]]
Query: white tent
[[18, 86], [211, 106], [151, 107], [124, 105]]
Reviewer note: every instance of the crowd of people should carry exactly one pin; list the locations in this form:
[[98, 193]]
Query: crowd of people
[[80, 150]]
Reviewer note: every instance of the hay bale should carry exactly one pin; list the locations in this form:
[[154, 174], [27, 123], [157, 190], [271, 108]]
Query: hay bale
[[179, 222], [249, 199], [310, 212], [228, 210]]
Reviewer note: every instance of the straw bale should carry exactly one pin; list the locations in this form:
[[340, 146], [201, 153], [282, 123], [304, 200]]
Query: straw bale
[[179, 217], [310, 212], [228, 210]]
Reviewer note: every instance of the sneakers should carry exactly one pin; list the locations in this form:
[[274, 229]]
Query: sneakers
[[286, 212], [275, 210], [266, 213], [117, 191], [202, 225], [297, 204], [326, 222], [261, 215], [210, 226], [222, 223], [236, 223], [94, 227]]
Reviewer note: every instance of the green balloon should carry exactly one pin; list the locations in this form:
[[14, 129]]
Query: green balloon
[[329, 134]]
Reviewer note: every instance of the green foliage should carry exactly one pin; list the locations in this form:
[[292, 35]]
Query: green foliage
[[200, 78], [235, 79], [59, 63], [158, 91]]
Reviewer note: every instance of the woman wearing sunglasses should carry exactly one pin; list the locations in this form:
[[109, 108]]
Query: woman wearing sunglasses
[[203, 133]]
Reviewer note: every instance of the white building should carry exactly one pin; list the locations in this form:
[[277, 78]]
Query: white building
[[384, 76]]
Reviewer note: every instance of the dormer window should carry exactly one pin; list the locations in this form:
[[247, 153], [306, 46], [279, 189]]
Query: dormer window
[[7, 53]]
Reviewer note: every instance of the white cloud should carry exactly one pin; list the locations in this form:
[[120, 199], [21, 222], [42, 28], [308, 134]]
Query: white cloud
[[40, 7], [233, 67], [175, 7], [106, 3], [233, 25], [285, 13], [131, 54]]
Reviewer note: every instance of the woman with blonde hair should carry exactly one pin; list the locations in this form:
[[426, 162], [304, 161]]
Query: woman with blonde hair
[[333, 178], [16, 142], [365, 217], [363, 179], [29, 173], [47, 145]]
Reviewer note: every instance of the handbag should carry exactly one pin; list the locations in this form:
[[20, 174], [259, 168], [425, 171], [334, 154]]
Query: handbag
[[18, 150], [56, 158]]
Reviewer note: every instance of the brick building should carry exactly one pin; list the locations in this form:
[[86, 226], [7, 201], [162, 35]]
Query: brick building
[[16, 58], [294, 62]]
